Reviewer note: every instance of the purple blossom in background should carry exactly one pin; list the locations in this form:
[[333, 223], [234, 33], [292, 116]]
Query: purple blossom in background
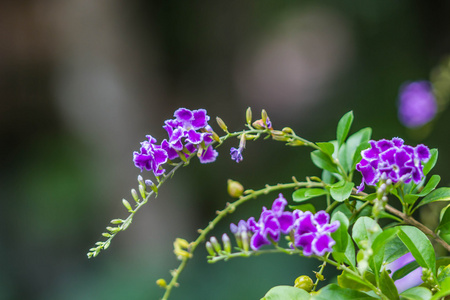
[[150, 157], [417, 104], [391, 159], [311, 232], [412, 279]]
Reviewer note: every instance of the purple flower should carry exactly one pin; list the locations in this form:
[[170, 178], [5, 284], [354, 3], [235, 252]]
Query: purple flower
[[150, 157], [236, 154], [417, 104], [189, 131], [391, 159], [271, 224], [412, 279], [312, 232]]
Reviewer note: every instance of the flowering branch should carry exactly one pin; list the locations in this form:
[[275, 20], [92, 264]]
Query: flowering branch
[[230, 208]]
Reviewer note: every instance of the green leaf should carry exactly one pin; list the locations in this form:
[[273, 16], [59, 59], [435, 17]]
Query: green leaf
[[344, 127], [431, 185], [444, 225], [304, 207], [440, 194], [365, 230], [378, 246], [328, 148], [394, 249], [387, 286], [323, 161], [347, 256], [444, 272], [405, 270], [419, 245], [431, 162], [335, 292], [416, 293], [348, 280], [341, 193], [285, 292], [445, 290], [354, 141], [342, 156], [340, 236], [307, 193]]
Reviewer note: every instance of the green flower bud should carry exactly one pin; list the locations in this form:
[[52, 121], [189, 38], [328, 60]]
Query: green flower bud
[[210, 249], [127, 204], [222, 124], [235, 189], [135, 195], [248, 116], [161, 283], [215, 244], [304, 282], [226, 243]]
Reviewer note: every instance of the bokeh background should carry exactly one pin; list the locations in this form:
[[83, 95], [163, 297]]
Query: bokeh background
[[83, 81]]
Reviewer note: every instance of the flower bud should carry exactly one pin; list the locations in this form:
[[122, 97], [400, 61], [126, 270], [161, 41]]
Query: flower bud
[[210, 249], [288, 130], [140, 180], [222, 124], [216, 137], [258, 124], [161, 283], [142, 191], [248, 116], [215, 244], [304, 282], [226, 243], [245, 242], [127, 204], [264, 116], [148, 182], [235, 189], [135, 195]]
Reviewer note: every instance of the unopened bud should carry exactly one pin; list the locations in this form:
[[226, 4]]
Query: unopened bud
[[295, 143], [127, 205], [248, 116], [258, 124], [215, 244], [135, 195], [210, 249], [182, 242], [148, 182], [226, 243], [222, 124], [287, 130], [140, 179], [216, 137], [161, 283], [245, 243], [264, 116], [235, 189], [142, 191], [304, 282], [278, 135]]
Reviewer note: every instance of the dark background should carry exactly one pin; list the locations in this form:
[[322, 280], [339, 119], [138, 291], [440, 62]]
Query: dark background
[[83, 82]]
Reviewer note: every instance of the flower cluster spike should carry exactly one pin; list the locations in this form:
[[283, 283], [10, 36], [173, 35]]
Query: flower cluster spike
[[311, 232], [391, 159], [188, 132]]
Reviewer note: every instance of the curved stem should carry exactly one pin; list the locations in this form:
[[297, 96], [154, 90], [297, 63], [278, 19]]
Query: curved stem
[[221, 214]]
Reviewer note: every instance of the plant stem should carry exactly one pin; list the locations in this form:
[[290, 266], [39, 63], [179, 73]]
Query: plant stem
[[410, 220], [230, 208]]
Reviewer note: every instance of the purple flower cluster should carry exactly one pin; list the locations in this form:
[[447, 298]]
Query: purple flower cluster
[[417, 104], [188, 132], [311, 232], [391, 159]]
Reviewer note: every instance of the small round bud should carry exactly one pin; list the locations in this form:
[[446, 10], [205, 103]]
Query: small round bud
[[135, 195], [287, 130], [161, 283], [148, 182], [304, 282], [235, 189]]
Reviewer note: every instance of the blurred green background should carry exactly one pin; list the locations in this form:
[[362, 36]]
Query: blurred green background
[[83, 82]]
